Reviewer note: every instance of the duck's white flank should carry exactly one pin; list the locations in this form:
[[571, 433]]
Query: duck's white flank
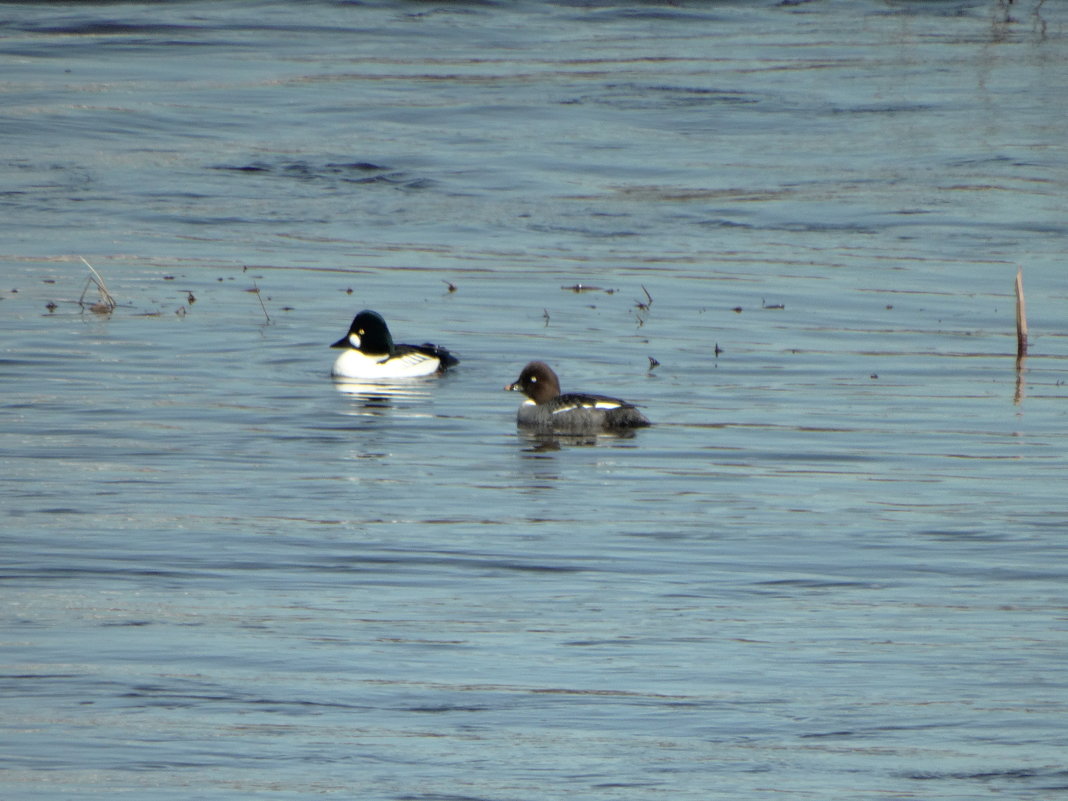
[[357, 364]]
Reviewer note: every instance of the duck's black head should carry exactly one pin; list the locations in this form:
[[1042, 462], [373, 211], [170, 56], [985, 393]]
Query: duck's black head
[[368, 333]]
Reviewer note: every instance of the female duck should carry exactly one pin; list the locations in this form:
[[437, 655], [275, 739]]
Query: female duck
[[369, 353], [574, 413]]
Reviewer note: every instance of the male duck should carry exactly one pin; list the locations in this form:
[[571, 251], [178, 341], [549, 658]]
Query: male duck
[[574, 413], [369, 353]]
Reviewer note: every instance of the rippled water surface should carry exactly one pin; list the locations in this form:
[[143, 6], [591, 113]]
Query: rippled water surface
[[834, 568]]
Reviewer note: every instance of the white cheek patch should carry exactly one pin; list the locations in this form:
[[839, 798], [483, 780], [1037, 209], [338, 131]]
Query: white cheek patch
[[354, 340]]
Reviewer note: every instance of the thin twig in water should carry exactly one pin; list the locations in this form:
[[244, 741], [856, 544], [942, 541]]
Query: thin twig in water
[[644, 305], [256, 290]]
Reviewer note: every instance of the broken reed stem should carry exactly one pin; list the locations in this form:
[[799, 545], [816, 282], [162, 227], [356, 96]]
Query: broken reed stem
[[107, 302], [1021, 316]]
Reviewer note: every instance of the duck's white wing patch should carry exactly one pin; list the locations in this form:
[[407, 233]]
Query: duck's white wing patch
[[412, 363], [603, 404]]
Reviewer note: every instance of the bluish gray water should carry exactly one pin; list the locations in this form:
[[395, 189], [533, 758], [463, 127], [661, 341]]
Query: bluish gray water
[[834, 568]]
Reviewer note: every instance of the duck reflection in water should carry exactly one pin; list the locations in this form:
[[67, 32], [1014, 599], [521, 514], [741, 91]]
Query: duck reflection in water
[[541, 442], [378, 397]]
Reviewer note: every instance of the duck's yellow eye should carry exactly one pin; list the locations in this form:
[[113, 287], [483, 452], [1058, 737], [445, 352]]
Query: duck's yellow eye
[[360, 332], [533, 379]]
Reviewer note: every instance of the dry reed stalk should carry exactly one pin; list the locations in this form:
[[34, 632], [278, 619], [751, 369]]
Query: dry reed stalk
[[106, 304], [1021, 316]]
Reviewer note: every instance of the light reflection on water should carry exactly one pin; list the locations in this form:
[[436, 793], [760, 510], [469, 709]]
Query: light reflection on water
[[833, 566]]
